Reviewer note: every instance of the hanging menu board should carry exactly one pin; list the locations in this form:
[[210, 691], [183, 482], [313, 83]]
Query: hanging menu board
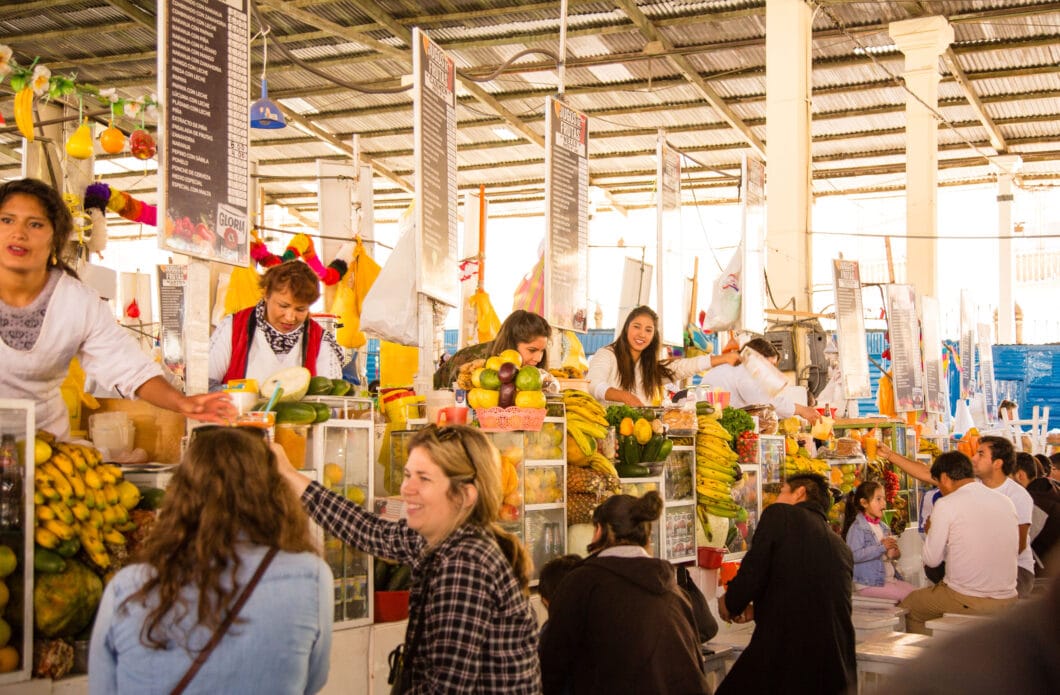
[[172, 279], [904, 331], [204, 70], [934, 393], [752, 249], [669, 244], [566, 216], [966, 346], [986, 368], [434, 132], [850, 326]]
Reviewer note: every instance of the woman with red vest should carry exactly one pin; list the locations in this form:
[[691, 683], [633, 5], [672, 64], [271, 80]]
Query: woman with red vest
[[275, 333]]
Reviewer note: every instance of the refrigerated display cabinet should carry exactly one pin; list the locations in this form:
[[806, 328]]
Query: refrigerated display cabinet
[[674, 535], [343, 460], [17, 420]]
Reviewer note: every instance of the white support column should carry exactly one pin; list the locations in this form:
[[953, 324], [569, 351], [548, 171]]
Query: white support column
[[1006, 165], [922, 40], [788, 65]]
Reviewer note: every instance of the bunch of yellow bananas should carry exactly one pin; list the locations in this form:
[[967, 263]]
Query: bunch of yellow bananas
[[77, 496], [24, 112], [587, 422], [716, 471], [804, 464]]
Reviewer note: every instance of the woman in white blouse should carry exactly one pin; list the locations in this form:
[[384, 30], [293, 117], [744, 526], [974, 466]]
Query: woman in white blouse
[[618, 374], [48, 317]]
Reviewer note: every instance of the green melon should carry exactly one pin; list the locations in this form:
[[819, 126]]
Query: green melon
[[293, 382]]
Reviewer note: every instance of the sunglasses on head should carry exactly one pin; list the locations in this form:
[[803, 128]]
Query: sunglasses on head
[[445, 434]]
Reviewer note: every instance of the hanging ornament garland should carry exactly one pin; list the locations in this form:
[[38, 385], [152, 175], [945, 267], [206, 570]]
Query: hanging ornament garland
[[301, 246]]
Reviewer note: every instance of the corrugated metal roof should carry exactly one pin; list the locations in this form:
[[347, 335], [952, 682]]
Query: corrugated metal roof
[[1008, 49]]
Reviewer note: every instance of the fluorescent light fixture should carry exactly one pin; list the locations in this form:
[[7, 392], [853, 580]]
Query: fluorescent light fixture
[[505, 133]]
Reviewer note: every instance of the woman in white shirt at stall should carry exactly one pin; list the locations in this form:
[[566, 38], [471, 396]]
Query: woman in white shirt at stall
[[48, 317], [617, 372]]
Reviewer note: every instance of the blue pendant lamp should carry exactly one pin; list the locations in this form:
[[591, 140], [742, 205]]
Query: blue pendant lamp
[[265, 113]]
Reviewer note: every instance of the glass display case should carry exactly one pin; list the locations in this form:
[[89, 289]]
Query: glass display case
[[17, 430], [770, 461], [747, 493], [674, 535], [343, 452], [534, 506]]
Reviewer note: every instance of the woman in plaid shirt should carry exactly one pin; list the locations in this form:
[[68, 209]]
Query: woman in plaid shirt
[[471, 628]]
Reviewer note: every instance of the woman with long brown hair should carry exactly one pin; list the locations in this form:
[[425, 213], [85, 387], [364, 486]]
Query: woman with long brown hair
[[48, 317], [225, 511], [629, 370], [471, 628]]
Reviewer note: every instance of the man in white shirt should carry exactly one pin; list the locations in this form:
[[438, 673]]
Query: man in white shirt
[[744, 390], [974, 530], [993, 463]]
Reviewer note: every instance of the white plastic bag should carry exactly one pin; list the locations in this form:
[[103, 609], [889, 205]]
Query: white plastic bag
[[724, 311], [389, 309]]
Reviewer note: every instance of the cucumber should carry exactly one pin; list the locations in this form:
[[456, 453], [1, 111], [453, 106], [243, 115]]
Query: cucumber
[[296, 413], [665, 449], [651, 449], [47, 562], [340, 387], [632, 470], [630, 451], [319, 386], [323, 412]]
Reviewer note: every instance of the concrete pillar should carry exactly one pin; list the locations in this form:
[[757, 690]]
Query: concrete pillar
[[922, 40], [788, 65], [1006, 165]]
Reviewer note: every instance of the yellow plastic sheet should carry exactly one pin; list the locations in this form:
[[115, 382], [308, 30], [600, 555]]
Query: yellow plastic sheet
[[73, 392], [486, 318], [243, 290], [349, 297], [397, 364]]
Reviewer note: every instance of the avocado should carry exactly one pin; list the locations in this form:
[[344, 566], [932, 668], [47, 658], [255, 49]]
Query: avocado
[[47, 562]]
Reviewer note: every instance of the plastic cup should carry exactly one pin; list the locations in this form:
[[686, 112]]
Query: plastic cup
[[453, 415], [293, 438]]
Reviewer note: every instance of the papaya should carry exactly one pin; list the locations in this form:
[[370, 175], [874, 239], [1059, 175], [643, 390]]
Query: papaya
[[64, 603], [625, 428], [642, 431], [296, 413], [319, 386]]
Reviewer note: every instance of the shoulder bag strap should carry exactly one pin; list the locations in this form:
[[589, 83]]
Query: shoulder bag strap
[[223, 627]]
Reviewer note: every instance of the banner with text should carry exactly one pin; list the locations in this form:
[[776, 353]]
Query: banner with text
[[673, 314], [907, 369], [204, 73], [172, 280], [434, 133], [566, 216], [934, 379], [850, 327]]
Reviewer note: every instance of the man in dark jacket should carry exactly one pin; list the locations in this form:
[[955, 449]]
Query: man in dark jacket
[[795, 583]]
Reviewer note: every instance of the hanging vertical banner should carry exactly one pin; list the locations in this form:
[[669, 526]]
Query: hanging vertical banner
[[904, 330], [850, 327], [336, 183], [753, 291], [172, 280], [986, 368], [934, 389], [566, 216], [670, 285], [434, 133], [204, 72], [966, 346]]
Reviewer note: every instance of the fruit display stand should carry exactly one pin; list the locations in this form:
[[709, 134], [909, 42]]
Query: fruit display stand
[[905, 493], [16, 552], [674, 535], [763, 474], [534, 505], [343, 456]]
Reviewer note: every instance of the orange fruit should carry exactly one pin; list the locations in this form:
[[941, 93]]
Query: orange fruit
[[112, 140], [8, 659], [8, 561]]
